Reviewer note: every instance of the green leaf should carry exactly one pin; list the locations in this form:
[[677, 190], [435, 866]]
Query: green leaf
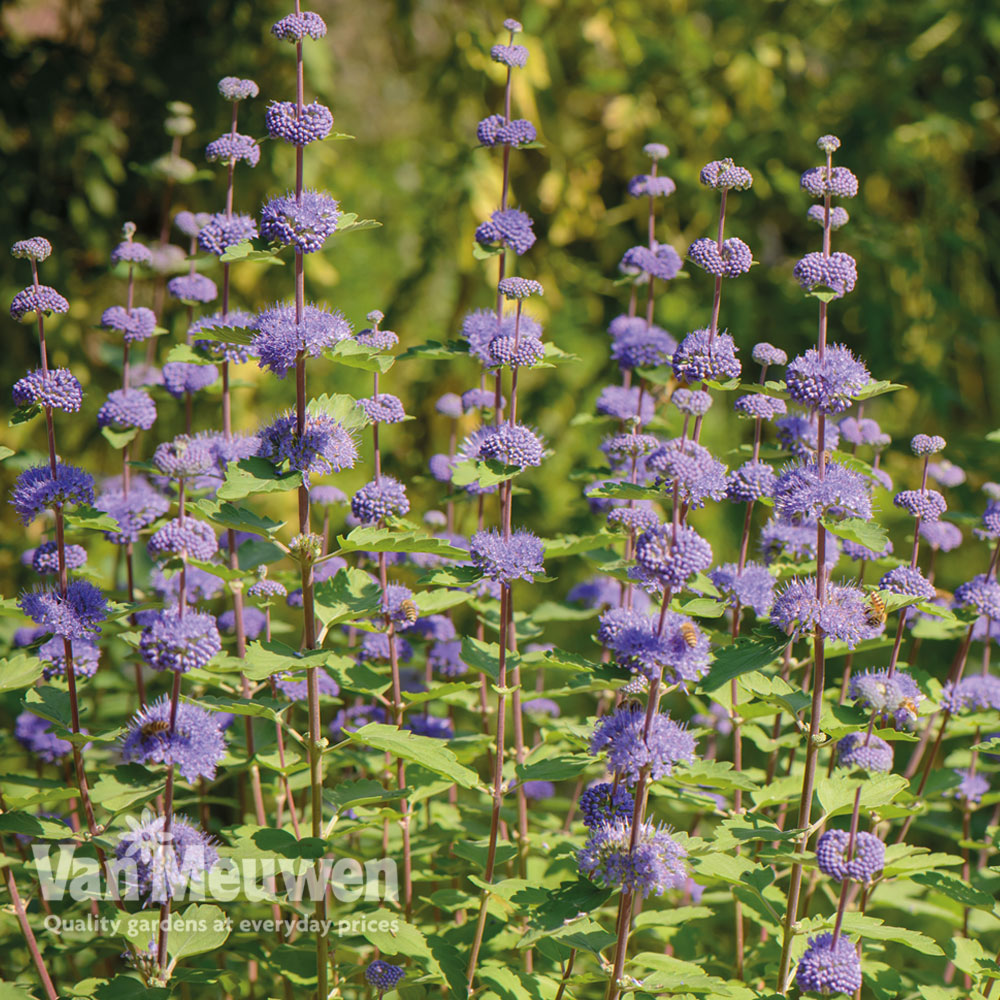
[[744, 656], [354, 355], [6, 452], [348, 595], [50, 703], [88, 519], [23, 414], [342, 408], [423, 750], [488, 473], [255, 475], [672, 975], [19, 671], [485, 657], [955, 888], [228, 515], [258, 708], [28, 824], [369, 538], [556, 767], [572, 545], [266, 658], [188, 355], [877, 389], [626, 491], [433, 350], [485, 253], [364, 792], [349, 221], [244, 251], [199, 929], [126, 786], [856, 529], [876, 930]]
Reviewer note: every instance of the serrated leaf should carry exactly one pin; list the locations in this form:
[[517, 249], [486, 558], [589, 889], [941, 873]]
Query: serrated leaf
[[626, 491], [875, 388], [855, 529], [19, 671], [955, 888], [744, 656], [556, 767], [369, 538], [488, 473], [188, 355], [228, 515], [354, 355], [88, 519], [348, 595], [249, 476], [199, 929], [485, 253], [244, 251], [433, 350], [426, 751], [24, 414], [485, 657], [342, 408]]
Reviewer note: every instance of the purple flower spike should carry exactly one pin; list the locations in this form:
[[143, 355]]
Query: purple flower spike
[[701, 357], [928, 505], [629, 752], [35, 248], [520, 288], [195, 747], [232, 88], [894, 700], [925, 444], [126, 408], [509, 227], [506, 560], [377, 501], [735, 257], [136, 325], [875, 754], [279, 337], [232, 147], [667, 561], [837, 273], [305, 224], [283, 121], [36, 489], [838, 216], [660, 261], [867, 860], [829, 968], [190, 538], [828, 382], [40, 299], [193, 288], [724, 175], [654, 864], [173, 641], [223, 231], [295, 27], [384, 976], [841, 183], [74, 617], [324, 447], [57, 388], [514, 56]]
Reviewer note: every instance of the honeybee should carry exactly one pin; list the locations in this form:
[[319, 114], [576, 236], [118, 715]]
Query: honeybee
[[910, 705], [154, 727], [875, 613], [690, 634], [410, 610]]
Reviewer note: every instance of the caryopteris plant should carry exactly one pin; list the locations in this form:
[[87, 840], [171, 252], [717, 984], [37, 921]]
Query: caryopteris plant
[[287, 715]]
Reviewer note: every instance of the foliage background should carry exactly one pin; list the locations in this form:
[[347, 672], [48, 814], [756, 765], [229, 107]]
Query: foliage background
[[907, 87]]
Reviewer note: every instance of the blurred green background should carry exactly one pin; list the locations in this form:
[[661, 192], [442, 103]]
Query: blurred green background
[[909, 88]]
